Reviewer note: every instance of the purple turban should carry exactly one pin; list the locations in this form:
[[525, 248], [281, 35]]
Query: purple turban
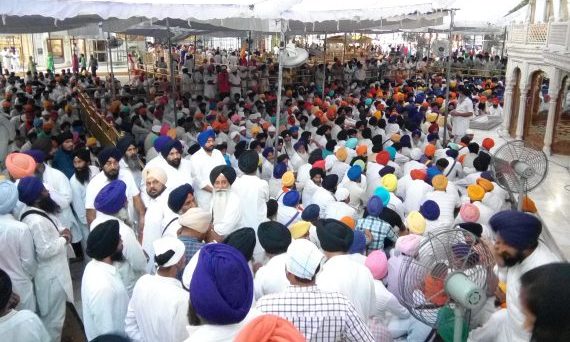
[[221, 289], [430, 210], [517, 229], [358, 243], [29, 189], [374, 206], [160, 142], [38, 155], [111, 198]]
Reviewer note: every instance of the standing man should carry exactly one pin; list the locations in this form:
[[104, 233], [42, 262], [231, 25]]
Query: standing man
[[93, 64], [155, 182], [130, 161], [105, 299], [63, 158], [52, 282], [462, 114], [205, 160]]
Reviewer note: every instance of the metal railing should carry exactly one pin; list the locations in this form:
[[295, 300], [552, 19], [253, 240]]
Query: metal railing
[[95, 121]]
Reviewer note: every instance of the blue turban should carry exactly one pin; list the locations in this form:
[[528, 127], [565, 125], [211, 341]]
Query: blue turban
[[291, 198], [311, 212], [431, 172], [29, 189], [293, 129], [221, 289], [430, 210], [368, 102], [124, 143], [415, 133], [178, 196], [420, 98], [204, 136], [266, 151], [392, 151], [351, 143], [107, 153], [354, 173], [358, 243], [112, 197], [452, 153], [279, 170], [392, 118], [406, 141], [432, 136], [159, 142], [374, 206], [169, 145], [384, 195], [517, 229], [38, 155], [9, 195]]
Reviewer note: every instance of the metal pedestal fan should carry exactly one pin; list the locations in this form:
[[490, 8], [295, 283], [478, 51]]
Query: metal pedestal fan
[[518, 168], [446, 279]]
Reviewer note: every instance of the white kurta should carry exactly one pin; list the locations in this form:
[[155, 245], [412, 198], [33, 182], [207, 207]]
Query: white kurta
[[105, 300], [219, 333], [229, 221], [288, 215], [18, 259], [352, 279], [134, 265], [53, 280], [158, 310], [373, 179], [338, 210], [22, 326], [415, 192], [175, 176], [322, 197], [271, 277], [60, 191], [153, 225], [203, 165]]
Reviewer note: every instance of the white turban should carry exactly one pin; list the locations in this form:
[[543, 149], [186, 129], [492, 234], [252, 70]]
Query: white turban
[[196, 219], [165, 244], [303, 258], [341, 194]]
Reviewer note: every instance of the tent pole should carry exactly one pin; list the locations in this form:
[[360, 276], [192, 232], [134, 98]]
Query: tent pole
[[279, 86], [111, 65], [344, 48], [172, 80], [325, 64], [448, 81], [504, 40], [127, 56]]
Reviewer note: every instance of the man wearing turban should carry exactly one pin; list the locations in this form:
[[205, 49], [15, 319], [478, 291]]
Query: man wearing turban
[[517, 250], [324, 195], [356, 184], [226, 204], [155, 179], [130, 161], [103, 294], [341, 208], [52, 282], [308, 305], [203, 162], [274, 237], [446, 196]]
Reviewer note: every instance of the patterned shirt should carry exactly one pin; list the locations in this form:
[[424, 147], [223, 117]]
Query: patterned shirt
[[380, 230], [192, 245], [320, 316]]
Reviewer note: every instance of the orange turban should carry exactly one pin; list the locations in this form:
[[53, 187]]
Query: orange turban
[[488, 143], [20, 165], [418, 174], [341, 154], [528, 205], [434, 290], [361, 150], [349, 221], [439, 101], [475, 192], [485, 184], [439, 182], [429, 150], [269, 328]]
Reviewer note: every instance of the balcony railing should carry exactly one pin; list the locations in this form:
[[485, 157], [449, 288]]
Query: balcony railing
[[555, 35]]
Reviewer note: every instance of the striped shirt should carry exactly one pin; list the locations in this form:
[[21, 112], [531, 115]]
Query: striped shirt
[[320, 316]]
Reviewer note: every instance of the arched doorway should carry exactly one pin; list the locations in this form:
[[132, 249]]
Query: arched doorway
[[536, 111], [561, 134], [515, 99]]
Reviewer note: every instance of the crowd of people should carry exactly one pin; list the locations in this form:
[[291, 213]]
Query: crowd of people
[[208, 220]]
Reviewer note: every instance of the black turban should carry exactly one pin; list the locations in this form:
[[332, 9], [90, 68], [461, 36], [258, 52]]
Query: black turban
[[272, 207], [169, 145], [474, 228], [274, 237], [107, 153], [124, 143], [193, 149], [316, 171], [386, 170], [227, 171], [103, 240], [83, 154], [330, 182], [334, 235], [248, 162], [178, 196], [243, 240], [63, 137]]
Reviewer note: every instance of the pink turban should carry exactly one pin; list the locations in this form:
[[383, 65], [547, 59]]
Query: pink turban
[[377, 263], [469, 212], [408, 244]]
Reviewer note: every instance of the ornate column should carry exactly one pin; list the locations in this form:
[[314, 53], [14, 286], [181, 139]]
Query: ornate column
[[553, 91], [507, 106], [522, 109]]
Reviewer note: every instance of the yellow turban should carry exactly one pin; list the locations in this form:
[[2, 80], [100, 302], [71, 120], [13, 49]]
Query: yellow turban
[[378, 115], [341, 154], [390, 182], [439, 182], [172, 133], [255, 129], [485, 184], [431, 117], [475, 192], [416, 223], [288, 179], [299, 229], [91, 141]]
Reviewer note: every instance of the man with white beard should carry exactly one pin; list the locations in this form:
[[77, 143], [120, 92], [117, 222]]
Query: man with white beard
[[178, 170], [110, 204], [205, 160], [155, 181], [130, 161], [226, 206]]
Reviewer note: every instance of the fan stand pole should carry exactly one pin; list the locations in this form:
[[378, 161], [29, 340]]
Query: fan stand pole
[[279, 84], [459, 312]]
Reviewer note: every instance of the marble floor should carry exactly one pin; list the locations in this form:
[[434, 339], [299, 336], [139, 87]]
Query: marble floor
[[552, 196]]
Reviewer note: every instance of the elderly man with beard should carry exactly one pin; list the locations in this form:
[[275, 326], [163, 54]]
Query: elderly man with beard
[[104, 297], [82, 175], [130, 161], [226, 205], [155, 182], [179, 201], [109, 158], [52, 282], [205, 160], [178, 170], [110, 204]]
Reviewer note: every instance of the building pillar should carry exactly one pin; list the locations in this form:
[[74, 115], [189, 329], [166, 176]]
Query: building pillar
[[522, 111], [507, 107], [548, 134]]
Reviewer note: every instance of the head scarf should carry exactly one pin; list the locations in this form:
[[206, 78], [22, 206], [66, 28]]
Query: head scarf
[[341, 194], [168, 251], [303, 258]]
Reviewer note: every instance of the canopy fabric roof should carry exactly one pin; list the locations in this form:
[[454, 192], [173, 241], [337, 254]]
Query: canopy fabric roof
[[39, 24]]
